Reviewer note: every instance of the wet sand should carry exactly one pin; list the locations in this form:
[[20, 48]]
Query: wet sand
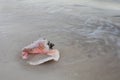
[[88, 39]]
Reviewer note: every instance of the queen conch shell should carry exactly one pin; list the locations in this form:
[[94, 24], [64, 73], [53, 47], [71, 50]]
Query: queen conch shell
[[40, 48]]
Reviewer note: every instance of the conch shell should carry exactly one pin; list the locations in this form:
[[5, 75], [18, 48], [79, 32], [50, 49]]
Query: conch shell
[[40, 47]]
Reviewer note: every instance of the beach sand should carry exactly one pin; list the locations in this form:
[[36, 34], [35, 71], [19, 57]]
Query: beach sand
[[88, 38]]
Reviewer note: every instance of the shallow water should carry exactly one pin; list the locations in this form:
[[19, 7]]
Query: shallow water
[[86, 33]]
